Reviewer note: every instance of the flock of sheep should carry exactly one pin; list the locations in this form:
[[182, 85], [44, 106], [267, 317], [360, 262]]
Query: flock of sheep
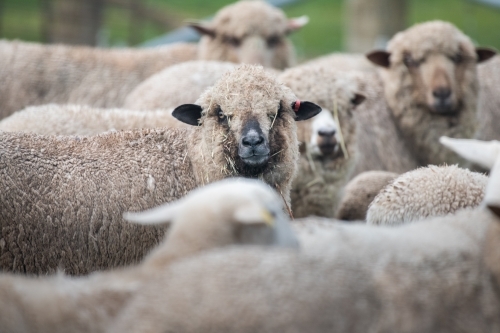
[[103, 151]]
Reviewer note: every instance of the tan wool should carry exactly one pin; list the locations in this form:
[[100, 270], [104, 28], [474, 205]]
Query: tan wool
[[489, 100], [76, 188], [40, 74], [427, 192], [360, 192]]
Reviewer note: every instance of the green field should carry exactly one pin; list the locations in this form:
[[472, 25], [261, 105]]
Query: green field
[[22, 19]]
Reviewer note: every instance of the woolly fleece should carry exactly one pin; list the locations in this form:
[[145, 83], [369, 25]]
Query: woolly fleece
[[427, 192]]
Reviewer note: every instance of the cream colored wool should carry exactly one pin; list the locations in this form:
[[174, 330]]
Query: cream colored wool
[[207, 218], [360, 192], [76, 188], [489, 100], [321, 177], [176, 85], [35, 74], [250, 32], [432, 276], [405, 96], [427, 192], [344, 61], [54, 119]]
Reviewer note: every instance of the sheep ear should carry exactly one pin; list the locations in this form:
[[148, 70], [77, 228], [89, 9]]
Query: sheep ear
[[188, 113], [297, 23], [484, 53], [163, 214], [305, 110], [253, 214], [202, 29], [358, 99], [484, 153], [379, 58]]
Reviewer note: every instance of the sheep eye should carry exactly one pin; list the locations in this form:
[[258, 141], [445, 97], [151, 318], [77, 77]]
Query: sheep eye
[[409, 61], [231, 41], [457, 58], [221, 116], [273, 41]]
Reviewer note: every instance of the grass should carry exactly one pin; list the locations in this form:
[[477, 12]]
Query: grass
[[22, 20]]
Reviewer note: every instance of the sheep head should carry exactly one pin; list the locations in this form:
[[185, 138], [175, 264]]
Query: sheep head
[[436, 68], [251, 32], [232, 211], [247, 122]]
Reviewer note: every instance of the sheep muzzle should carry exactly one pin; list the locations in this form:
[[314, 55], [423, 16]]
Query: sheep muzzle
[[253, 148]]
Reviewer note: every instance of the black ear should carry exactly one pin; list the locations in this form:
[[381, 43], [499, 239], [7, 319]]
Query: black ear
[[188, 113], [379, 58], [358, 99], [305, 110], [484, 53], [202, 29]]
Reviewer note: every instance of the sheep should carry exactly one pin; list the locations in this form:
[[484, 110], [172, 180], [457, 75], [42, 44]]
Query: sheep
[[427, 192], [430, 86], [37, 74], [344, 61], [227, 213], [489, 100], [438, 275], [360, 192], [75, 188], [249, 32], [55, 119], [176, 85], [324, 167]]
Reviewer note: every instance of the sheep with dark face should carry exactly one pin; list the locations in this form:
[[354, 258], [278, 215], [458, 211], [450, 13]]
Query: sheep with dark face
[[429, 74], [76, 188], [249, 32]]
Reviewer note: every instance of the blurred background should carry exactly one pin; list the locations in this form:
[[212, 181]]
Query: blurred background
[[335, 25]]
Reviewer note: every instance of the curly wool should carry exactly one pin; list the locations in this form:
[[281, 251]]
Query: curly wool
[[315, 190], [427, 192], [360, 192], [54, 119], [40, 74]]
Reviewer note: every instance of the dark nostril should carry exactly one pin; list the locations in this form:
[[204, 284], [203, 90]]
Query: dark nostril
[[252, 140], [326, 133], [442, 93]]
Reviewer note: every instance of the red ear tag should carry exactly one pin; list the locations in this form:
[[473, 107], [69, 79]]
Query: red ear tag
[[296, 106]]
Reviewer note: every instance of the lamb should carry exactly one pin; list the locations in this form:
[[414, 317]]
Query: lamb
[[55, 119], [360, 192], [226, 213], [429, 76], [438, 275], [249, 32], [427, 192], [324, 167], [80, 186], [176, 85], [40, 74]]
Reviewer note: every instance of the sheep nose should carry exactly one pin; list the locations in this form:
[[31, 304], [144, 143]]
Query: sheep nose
[[252, 139], [441, 93], [326, 133]]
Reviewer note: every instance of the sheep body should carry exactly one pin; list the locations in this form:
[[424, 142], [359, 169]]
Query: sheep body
[[176, 85], [89, 304], [41, 74], [80, 186], [55, 119], [489, 100], [360, 192], [323, 172], [382, 283], [427, 192]]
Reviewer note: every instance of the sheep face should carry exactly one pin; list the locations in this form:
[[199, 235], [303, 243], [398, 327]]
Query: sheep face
[[235, 211], [250, 32], [247, 125], [431, 86]]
